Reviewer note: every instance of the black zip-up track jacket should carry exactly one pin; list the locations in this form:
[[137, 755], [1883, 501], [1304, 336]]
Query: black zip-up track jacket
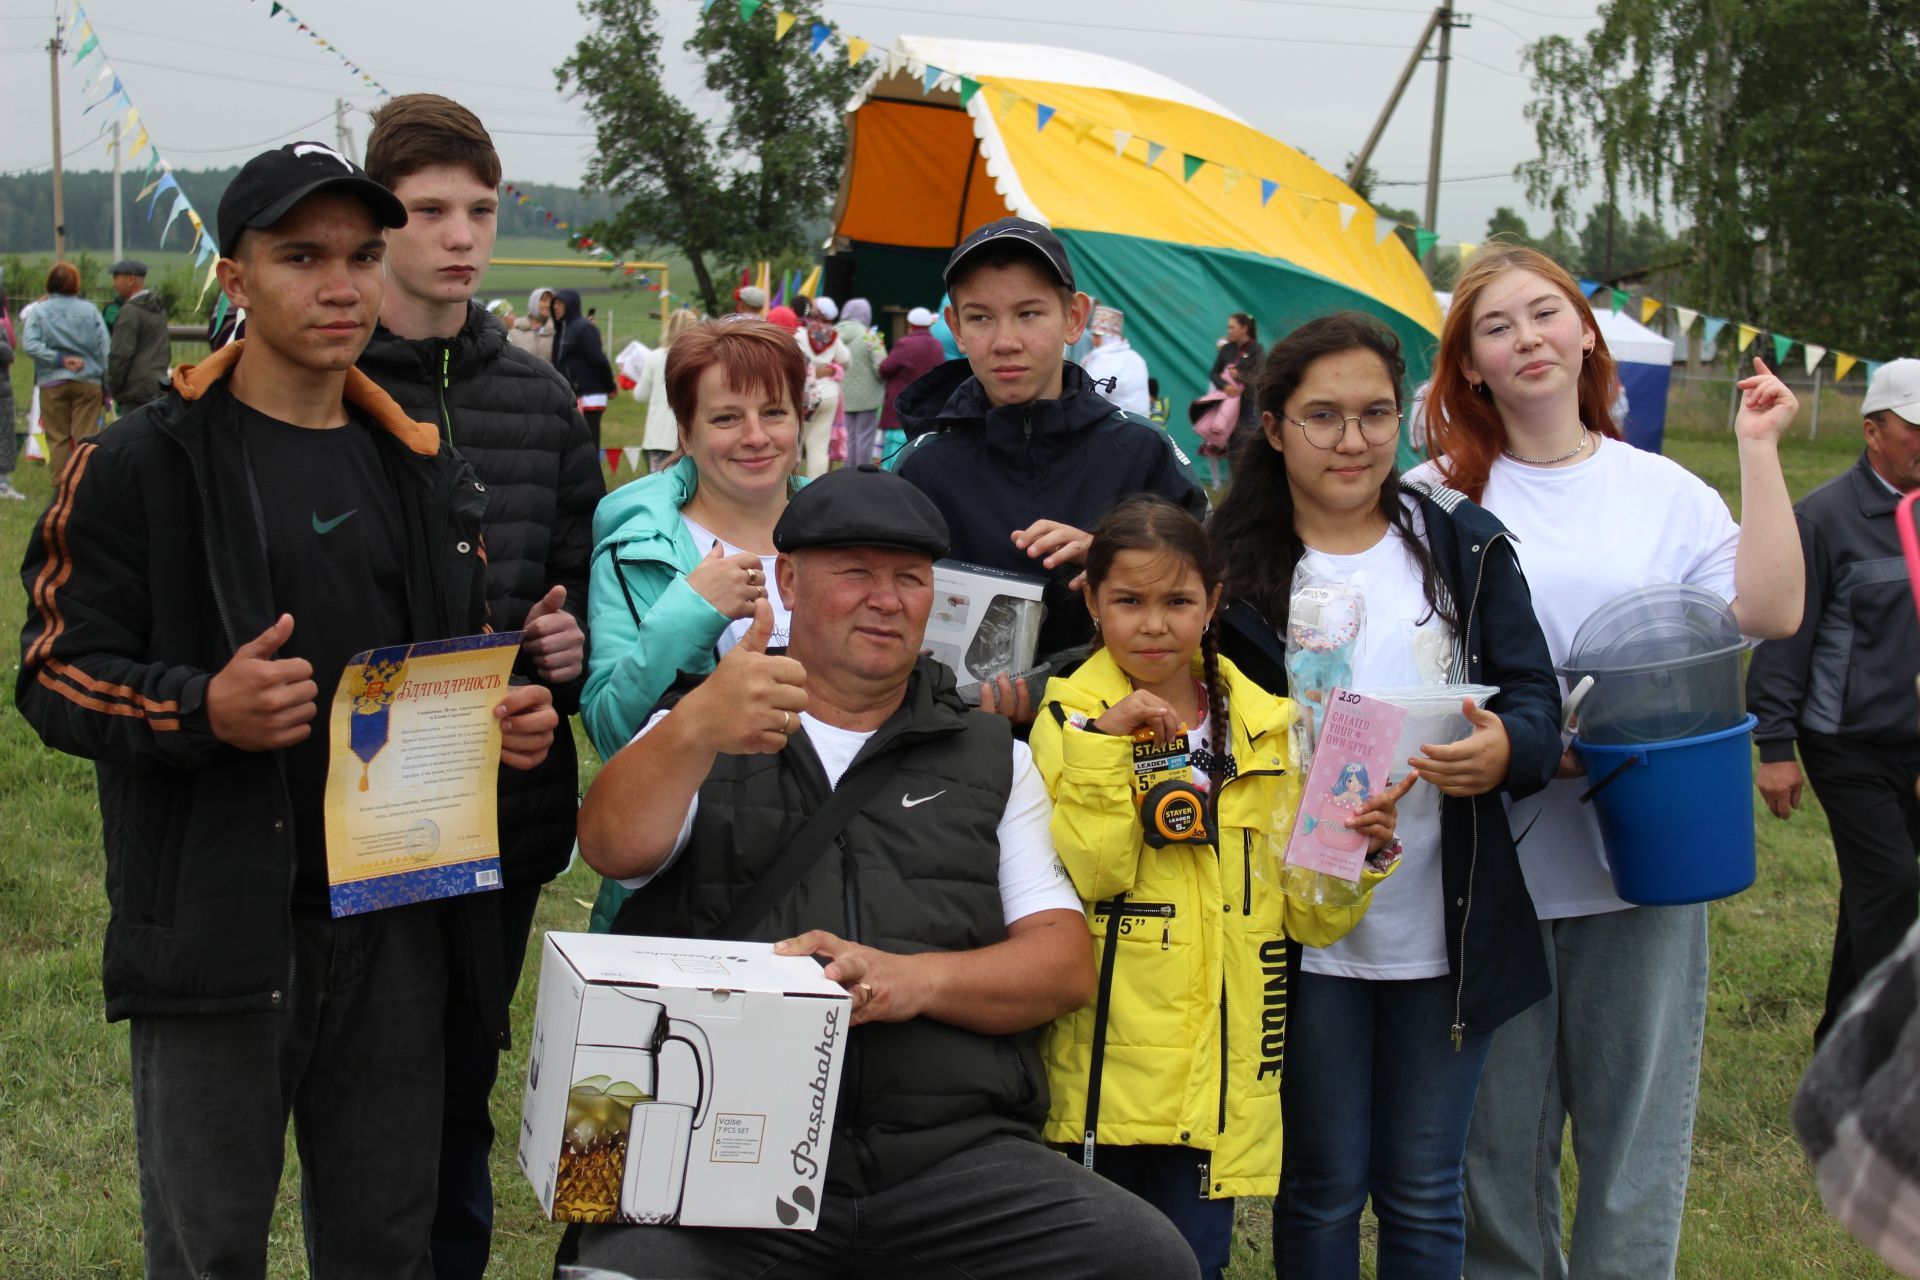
[[147, 571]]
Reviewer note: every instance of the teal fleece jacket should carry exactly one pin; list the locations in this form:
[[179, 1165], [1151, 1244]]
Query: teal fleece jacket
[[647, 624]]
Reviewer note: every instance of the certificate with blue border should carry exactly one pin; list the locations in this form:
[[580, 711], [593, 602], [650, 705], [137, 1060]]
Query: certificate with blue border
[[412, 803]]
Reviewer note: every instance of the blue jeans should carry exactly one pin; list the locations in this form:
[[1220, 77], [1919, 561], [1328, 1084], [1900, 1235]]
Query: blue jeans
[[1615, 1049], [1174, 1181], [1376, 1102]]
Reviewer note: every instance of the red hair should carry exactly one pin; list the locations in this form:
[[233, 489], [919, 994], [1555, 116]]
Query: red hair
[[1464, 429], [757, 356]]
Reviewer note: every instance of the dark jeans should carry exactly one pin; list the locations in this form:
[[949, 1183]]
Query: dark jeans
[[463, 1220], [355, 1059], [1867, 791], [1006, 1207], [1376, 1102], [1174, 1181], [593, 417]]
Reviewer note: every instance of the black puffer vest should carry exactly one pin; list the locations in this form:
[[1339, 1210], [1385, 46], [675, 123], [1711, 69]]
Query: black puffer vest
[[902, 877]]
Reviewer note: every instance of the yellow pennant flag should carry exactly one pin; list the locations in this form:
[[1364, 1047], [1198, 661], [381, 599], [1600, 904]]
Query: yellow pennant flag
[[1747, 334], [1647, 307], [1081, 128], [139, 144], [1229, 179], [783, 23], [212, 267], [1308, 203], [856, 50], [1466, 250], [133, 118], [1841, 363]]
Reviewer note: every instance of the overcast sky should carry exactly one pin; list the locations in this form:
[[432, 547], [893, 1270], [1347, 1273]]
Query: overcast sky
[[216, 80]]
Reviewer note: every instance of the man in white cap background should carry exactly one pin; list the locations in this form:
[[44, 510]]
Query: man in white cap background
[[913, 355], [1118, 371], [1843, 687]]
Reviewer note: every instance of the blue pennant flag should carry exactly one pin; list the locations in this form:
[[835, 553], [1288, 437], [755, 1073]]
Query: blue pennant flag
[[1714, 324], [820, 33], [1045, 114], [1154, 152], [167, 183], [1267, 187], [929, 79]]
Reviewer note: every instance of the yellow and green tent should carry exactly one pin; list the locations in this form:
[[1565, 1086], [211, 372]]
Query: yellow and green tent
[[1172, 208]]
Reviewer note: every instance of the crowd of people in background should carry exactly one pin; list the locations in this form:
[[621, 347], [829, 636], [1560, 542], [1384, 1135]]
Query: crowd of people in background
[[757, 602]]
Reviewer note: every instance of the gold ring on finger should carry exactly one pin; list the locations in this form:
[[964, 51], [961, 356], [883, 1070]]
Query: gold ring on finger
[[866, 987], [786, 723]]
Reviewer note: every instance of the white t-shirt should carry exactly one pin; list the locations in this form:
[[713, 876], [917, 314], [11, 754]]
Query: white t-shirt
[[1403, 934], [1621, 519], [1032, 877], [782, 616]]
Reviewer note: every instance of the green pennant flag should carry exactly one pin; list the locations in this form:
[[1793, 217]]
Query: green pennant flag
[[968, 87], [1191, 165], [1781, 345], [93, 42], [273, 10], [748, 8], [1620, 299], [1423, 241]]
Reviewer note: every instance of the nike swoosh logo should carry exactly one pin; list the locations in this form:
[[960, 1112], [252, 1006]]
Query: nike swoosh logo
[[906, 803], [328, 526]]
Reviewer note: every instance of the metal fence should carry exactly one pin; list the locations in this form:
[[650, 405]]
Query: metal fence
[[1705, 398]]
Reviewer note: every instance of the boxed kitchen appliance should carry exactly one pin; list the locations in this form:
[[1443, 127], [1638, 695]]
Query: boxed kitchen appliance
[[985, 622], [681, 1081]]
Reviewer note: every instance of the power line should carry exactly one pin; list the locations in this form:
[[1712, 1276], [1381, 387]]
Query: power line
[[1467, 57], [334, 91], [249, 146], [1540, 13], [1108, 26]]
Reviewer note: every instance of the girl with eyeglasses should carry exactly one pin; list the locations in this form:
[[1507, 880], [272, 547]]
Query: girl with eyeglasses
[[1388, 1027]]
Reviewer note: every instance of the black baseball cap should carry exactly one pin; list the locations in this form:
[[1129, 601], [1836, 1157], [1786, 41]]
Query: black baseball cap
[[1033, 235], [270, 184], [862, 506]]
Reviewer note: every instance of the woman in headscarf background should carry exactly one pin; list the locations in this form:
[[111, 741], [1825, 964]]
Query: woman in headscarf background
[[861, 390], [533, 332], [581, 358]]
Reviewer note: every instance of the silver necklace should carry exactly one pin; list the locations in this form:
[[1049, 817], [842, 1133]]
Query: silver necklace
[[1547, 462]]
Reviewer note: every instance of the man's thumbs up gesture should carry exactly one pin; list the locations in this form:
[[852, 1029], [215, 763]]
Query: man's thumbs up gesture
[[1472, 766], [258, 702], [751, 702], [552, 638]]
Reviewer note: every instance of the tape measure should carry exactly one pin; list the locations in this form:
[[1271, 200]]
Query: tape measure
[[1175, 812]]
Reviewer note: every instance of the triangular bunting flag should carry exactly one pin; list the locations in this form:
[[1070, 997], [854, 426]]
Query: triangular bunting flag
[[220, 312], [856, 50], [1308, 204], [1007, 99], [1781, 345], [1190, 165], [1044, 114], [783, 23], [1686, 316], [1814, 355], [1747, 334], [1465, 249], [1873, 367], [273, 10], [145, 192], [632, 455], [1229, 179], [1841, 363], [1382, 228], [167, 182], [212, 270], [1424, 240], [93, 42], [929, 78], [1154, 152], [1711, 329], [613, 459], [206, 247], [1120, 140], [1620, 300], [1346, 214], [140, 141], [1267, 187], [706, 7], [968, 87], [179, 203], [1081, 129], [748, 8], [1588, 287], [1647, 307], [820, 33]]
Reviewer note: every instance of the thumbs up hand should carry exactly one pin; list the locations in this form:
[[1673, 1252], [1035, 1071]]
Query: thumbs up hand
[[552, 638], [752, 702], [1472, 766], [261, 703]]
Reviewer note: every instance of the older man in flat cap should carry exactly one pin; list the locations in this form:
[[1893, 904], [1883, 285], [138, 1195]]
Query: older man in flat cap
[[141, 351], [841, 798]]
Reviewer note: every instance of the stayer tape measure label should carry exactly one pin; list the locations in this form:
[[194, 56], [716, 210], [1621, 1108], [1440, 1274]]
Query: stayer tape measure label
[[1172, 809]]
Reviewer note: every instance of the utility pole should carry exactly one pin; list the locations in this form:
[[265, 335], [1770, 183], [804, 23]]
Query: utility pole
[[1447, 20], [54, 49], [119, 237], [1393, 99], [342, 136]]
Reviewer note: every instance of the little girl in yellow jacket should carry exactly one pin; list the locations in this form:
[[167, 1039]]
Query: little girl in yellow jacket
[[1169, 1083]]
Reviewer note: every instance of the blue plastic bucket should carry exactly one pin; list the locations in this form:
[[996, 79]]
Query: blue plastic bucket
[[1677, 817]]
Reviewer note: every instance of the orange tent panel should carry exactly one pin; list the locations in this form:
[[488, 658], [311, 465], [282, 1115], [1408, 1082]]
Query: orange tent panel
[[918, 178]]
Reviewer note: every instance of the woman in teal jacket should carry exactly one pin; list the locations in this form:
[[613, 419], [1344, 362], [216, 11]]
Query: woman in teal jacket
[[681, 557]]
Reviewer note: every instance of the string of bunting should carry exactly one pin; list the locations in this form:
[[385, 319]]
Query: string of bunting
[[580, 242], [141, 146], [278, 10], [1128, 147]]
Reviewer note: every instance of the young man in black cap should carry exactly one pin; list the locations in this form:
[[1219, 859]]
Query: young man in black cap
[[137, 359], [204, 572], [512, 417], [1015, 445], [973, 936]]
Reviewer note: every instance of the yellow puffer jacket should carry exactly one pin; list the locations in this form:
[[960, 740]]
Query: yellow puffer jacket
[[1196, 1017]]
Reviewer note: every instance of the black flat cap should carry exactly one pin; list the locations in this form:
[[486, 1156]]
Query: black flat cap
[[269, 185], [128, 267], [1044, 244], [862, 507]]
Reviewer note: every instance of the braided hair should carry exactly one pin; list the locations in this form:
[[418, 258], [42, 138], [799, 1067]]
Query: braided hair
[[1149, 522]]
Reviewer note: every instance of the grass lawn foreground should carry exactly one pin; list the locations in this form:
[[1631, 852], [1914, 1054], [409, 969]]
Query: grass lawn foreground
[[69, 1200]]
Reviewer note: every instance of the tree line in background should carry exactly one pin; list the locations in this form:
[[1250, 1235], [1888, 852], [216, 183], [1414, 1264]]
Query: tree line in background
[[26, 210]]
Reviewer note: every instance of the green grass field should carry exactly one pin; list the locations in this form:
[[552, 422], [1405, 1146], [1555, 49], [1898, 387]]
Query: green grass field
[[69, 1203]]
